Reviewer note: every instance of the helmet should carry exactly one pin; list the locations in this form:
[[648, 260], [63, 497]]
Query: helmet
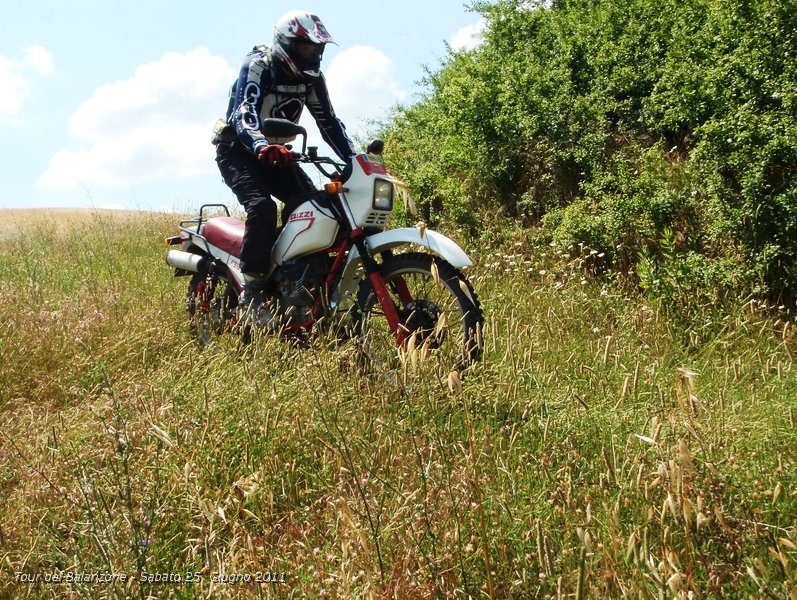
[[299, 40]]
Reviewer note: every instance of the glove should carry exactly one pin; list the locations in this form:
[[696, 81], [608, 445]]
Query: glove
[[274, 155]]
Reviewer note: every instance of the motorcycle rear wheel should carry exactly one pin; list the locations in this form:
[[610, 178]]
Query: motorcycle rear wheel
[[211, 304], [442, 317]]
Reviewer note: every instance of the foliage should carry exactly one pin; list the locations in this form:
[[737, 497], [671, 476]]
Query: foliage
[[606, 124]]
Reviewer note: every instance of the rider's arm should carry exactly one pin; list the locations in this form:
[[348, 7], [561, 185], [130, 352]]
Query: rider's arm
[[332, 129], [253, 82]]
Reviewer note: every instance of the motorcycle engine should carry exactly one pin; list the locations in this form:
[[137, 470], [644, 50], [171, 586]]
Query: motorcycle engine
[[299, 280]]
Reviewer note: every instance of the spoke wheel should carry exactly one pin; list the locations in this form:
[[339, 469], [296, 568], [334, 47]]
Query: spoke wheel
[[438, 311], [211, 303]]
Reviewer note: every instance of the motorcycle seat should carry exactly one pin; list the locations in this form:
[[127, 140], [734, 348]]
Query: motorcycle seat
[[226, 233]]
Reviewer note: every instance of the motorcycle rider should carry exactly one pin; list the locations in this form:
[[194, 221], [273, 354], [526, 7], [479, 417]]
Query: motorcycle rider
[[277, 81]]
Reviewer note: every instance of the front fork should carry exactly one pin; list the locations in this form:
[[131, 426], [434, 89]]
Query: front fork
[[380, 289]]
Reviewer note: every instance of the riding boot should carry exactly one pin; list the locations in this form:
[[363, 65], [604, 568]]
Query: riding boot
[[250, 305]]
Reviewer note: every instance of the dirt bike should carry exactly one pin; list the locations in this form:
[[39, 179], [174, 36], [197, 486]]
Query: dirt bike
[[335, 261]]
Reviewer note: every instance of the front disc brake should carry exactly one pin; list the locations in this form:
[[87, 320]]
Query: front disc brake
[[420, 317]]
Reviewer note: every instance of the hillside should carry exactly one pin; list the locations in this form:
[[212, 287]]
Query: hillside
[[597, 451], [20, 222]]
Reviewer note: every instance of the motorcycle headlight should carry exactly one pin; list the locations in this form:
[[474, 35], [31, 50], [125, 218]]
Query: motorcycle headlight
[[383, 195]]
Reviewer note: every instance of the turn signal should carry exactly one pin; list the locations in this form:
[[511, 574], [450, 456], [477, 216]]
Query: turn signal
[[333, 187]]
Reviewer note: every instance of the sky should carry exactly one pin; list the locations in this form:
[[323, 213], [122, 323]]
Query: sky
[[110, 103]]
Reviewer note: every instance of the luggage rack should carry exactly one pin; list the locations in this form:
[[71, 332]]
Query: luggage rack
[[192, 227], [198, 221]]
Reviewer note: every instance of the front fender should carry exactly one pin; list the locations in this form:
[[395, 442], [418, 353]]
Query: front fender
[[437, 243]]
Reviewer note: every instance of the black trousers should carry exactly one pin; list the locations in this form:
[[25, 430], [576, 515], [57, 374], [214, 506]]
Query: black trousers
[[254, 183]]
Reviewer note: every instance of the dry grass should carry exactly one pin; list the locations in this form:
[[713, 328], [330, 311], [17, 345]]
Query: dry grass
[[592, 455], [15, 222]]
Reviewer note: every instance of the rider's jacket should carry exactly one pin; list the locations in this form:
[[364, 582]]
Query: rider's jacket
[[264, 90]]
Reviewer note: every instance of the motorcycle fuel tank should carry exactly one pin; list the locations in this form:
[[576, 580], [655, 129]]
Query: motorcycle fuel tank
[[309, 228]]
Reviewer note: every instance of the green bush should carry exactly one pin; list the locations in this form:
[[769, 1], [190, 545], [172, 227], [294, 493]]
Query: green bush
[[605, 124]]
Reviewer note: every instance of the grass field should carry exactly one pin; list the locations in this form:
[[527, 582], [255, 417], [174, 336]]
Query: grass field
[[596, 452]]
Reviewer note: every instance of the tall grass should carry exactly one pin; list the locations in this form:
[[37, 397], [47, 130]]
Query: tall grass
[[596, 451]]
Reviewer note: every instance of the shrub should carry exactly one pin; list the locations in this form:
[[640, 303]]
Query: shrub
[[613, 125]]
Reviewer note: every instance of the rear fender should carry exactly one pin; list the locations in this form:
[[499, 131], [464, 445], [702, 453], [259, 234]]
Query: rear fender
[[437, 243]]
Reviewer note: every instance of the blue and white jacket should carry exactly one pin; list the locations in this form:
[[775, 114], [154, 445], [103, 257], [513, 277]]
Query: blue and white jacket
[[264, 90]]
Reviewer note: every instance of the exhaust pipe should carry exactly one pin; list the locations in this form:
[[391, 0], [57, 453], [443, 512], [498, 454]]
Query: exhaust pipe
[[186, 261]]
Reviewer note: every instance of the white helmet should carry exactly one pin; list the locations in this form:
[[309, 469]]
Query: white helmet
[[299, 40]]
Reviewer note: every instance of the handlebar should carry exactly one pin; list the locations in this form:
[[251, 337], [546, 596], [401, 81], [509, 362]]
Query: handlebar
[[311, 157], [284, 128]]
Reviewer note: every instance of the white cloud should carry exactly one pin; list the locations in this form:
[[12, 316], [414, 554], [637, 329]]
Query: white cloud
[[468, 37], [15, 75], [155, 125], [40, 59], [362, 86], [14, 88]]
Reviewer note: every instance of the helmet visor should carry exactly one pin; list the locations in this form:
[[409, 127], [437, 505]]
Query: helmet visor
[[307, 50]]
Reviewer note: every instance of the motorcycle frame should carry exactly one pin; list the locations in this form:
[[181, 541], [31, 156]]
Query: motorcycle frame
[[348, 254], [341, 252]]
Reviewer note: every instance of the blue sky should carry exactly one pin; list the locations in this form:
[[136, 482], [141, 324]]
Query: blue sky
[[109, 103]]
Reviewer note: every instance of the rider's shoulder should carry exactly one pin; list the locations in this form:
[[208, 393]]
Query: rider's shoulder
[[260, 54], [258, 66]]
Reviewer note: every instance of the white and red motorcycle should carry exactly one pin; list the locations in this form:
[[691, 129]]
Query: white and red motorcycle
[[335, 262]]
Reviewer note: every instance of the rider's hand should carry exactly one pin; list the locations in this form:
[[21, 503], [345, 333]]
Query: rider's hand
[[274, 154]]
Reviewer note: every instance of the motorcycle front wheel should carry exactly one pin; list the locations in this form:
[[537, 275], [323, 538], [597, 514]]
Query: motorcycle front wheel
[[211, 303], [438, 311]]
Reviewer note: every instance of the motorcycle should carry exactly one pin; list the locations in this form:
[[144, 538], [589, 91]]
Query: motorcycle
[[336, 262]]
